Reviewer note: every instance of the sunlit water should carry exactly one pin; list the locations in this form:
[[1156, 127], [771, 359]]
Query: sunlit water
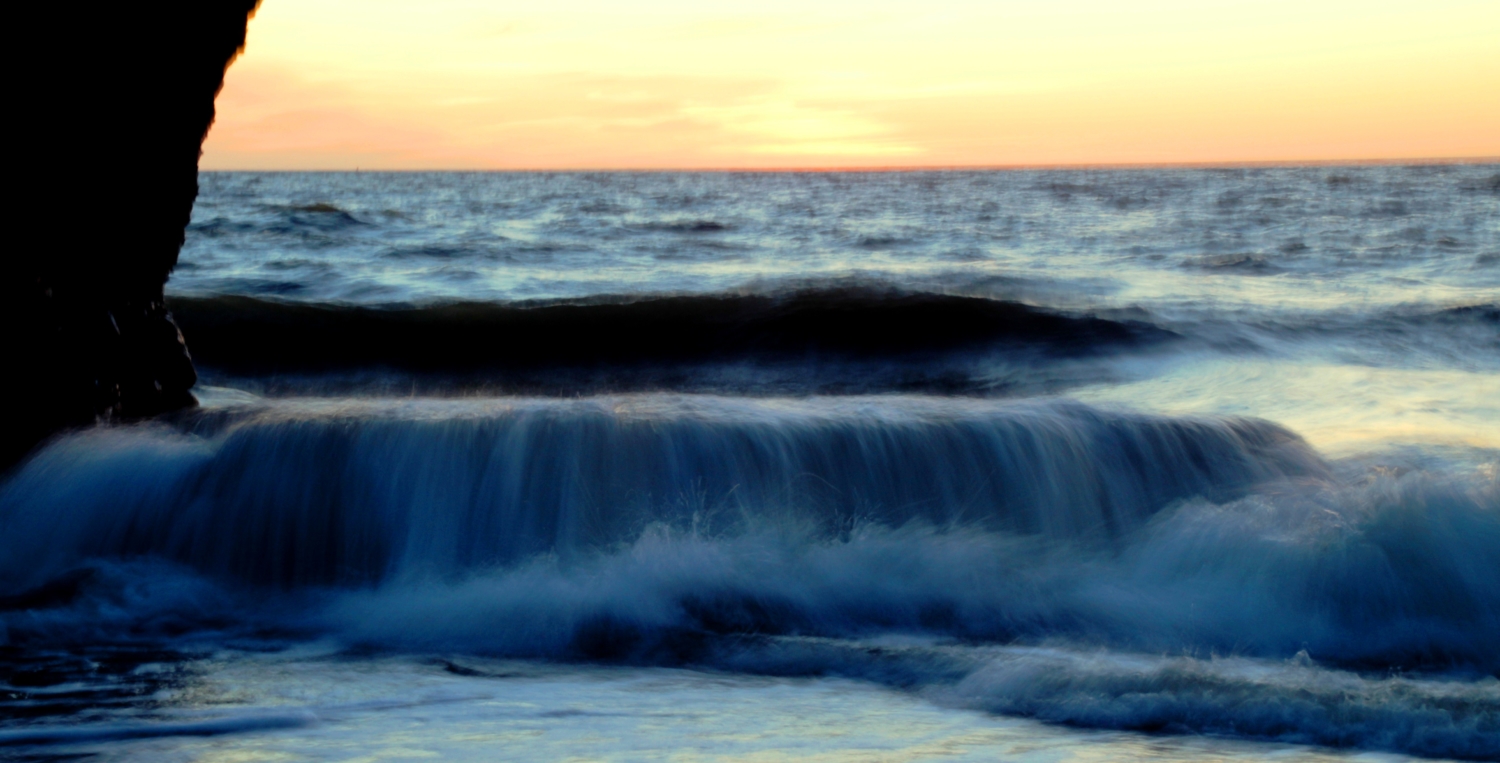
[[1272, 535], [303, 706]]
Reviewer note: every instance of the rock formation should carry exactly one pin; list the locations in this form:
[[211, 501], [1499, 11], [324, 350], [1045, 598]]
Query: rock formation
[[111, 103]]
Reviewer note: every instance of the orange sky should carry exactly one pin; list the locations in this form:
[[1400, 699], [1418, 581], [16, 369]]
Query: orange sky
[[476, 84]]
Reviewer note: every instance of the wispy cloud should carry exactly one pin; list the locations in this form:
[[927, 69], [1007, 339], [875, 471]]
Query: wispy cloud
[[673, 83]]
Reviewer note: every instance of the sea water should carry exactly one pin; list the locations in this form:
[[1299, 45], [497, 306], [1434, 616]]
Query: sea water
[[1020, 465]]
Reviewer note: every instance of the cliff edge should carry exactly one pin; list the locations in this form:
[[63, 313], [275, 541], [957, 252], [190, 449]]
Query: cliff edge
[[112, 102]]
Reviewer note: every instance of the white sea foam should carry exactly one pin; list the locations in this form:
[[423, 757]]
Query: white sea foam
[[1348, 611]]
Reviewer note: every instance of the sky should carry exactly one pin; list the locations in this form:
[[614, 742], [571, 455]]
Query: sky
[[675, 84]]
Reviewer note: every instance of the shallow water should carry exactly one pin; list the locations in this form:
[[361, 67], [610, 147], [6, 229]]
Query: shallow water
[[323, 707], [1039, 466]]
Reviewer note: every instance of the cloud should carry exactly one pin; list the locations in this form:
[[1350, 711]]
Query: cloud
[[270, 116]]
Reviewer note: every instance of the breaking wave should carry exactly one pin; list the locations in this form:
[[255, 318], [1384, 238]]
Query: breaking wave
[[1046, 559], [363, 491]]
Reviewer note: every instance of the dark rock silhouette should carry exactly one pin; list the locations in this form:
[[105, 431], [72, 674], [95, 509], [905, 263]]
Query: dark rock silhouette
[[111, 102]]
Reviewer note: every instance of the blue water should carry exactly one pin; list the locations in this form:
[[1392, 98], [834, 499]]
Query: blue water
[[1320, 238], [1042, 466]]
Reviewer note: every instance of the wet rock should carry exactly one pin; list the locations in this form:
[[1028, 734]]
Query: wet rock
[[107, 123]]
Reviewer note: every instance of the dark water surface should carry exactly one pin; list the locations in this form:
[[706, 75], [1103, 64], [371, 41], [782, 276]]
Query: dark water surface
[[1041, 466]]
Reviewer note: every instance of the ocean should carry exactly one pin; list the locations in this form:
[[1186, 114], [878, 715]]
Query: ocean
[[1062, 465]]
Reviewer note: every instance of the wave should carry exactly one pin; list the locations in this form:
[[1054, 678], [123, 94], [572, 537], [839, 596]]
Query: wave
[[249, 336], [1481, 314], [685, 226], [1392, 575], [1292, 702], [318, 224], [1358, 615], [1490, 184], [321, 494], [321, 215], [1472, 324], [1043, 559], [1420, 335], [1245, 264], [112, 732]]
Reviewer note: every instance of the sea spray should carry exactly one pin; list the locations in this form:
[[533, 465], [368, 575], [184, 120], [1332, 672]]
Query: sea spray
[[1357, 615]]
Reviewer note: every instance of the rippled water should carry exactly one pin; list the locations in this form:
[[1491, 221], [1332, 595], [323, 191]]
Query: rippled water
[[1305, 238]]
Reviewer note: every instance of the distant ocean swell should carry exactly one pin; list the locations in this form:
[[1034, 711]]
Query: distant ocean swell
[[1202, 237], [829, 339], [249, 335], [1063, 547]]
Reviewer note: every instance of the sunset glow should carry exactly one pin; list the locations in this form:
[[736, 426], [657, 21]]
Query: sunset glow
[[339, 84]]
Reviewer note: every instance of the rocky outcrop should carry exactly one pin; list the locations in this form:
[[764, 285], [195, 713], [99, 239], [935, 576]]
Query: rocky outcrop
[[109, 108]]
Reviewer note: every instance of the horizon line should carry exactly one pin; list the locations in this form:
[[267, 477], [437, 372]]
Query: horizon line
[[1246, 164]]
